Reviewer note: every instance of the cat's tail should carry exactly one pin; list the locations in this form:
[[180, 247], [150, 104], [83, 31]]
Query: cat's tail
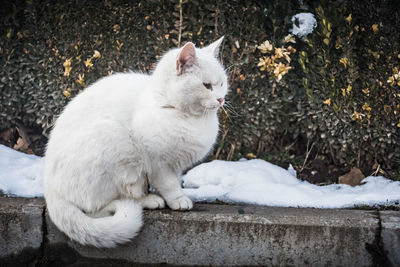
[[107, 231]]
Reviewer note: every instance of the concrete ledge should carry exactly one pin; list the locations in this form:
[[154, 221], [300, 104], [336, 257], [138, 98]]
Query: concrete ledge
[[21, 228], [222, 235], [391, 235]]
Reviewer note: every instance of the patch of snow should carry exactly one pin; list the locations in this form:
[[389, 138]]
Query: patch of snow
[[246, 181], [307, 23], [20, 174], [292, 171], [262, 183]]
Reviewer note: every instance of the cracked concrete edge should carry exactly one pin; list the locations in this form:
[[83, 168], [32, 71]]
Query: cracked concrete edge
[[390, 235], [213, 235], [21, 229]]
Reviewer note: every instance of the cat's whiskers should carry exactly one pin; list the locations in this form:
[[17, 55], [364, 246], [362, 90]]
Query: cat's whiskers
[[233, 65], [204, 112], [231, 109], [227, 113]]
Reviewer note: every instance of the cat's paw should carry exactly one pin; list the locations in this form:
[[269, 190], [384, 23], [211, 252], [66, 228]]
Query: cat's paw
[[152, 202], [180, 203]]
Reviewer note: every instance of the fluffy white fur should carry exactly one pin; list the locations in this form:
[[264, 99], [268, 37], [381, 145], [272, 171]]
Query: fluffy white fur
[[127, 132]]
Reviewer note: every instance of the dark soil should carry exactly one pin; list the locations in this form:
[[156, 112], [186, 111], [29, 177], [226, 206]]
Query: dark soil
[[34, 142], [321, 173]]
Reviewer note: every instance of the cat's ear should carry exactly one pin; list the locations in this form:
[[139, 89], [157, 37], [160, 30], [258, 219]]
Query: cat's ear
[[214, 47], [186, 58]]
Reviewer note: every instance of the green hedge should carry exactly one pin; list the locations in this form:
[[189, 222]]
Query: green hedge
[[341, 95]]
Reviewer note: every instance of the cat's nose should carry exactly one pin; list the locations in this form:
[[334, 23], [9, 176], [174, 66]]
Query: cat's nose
[[220, 100]]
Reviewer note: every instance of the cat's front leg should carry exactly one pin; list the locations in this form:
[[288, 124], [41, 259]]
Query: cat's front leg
[[167, 184], [152, 202]]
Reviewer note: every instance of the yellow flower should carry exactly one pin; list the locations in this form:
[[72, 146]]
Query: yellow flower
[[67, 66], [119, 45], [116, 28], [391, 80], [348, 19], [67, 71], [264, 63], [96, 54], [328, 102], [348, 89], [357, 116], [366, 91], [292, 50], [338, 43], [81, 79], [280, 70], [265, 47], [88, 63], [398, 125], [67, 62], [67, 93], [286, 54], [344, 61], [279, 52], [251, 155], [375, 28], [366, 107], [289, 39]]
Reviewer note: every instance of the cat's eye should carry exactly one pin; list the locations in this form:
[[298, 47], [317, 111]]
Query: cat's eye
[[208, 86]]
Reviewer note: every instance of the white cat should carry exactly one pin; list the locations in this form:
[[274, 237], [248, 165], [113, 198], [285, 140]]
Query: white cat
[[127, 132]]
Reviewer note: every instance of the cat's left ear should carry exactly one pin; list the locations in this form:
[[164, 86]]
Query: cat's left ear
[[214, 47], [186, 58]]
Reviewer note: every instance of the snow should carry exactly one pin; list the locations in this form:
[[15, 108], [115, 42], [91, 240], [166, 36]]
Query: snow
[[245, 181], [20, 174], [307, 23], [262, 183]]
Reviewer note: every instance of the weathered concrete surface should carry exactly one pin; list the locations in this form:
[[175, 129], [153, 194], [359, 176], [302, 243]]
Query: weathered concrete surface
[[390, 235], [210, 235], [21, 222], [237, 235]]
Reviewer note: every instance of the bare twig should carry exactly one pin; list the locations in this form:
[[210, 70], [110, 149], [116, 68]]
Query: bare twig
[[332, 155], [216, 20], [307, 154], [231, 151], [376, 171], [180, 23], [224, 134]]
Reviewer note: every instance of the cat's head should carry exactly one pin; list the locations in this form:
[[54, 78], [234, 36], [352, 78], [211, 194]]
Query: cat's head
[[193, 80]]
